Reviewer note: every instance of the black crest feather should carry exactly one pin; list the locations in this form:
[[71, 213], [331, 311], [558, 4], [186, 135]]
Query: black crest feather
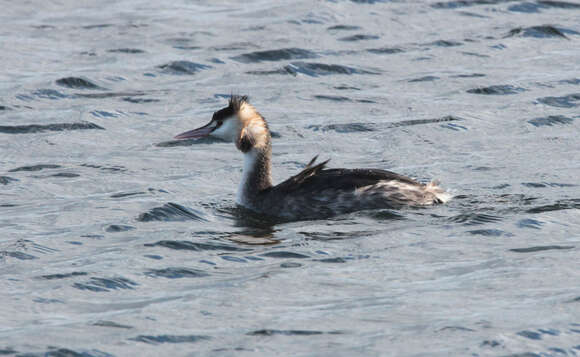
[[236, 101]]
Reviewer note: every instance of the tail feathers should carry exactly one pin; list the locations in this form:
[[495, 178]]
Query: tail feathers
[[439, 193]]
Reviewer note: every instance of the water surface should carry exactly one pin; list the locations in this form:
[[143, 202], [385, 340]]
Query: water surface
[[118, 241]]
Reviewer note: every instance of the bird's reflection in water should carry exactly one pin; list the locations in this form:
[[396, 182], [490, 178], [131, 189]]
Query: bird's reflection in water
[[257, 229]]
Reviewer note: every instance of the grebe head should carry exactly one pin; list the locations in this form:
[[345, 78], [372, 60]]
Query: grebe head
[[239, 123]]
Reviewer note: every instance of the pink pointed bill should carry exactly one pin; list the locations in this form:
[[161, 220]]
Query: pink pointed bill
[[196, 133]]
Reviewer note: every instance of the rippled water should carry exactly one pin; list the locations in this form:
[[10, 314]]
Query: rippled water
[[118, 241]]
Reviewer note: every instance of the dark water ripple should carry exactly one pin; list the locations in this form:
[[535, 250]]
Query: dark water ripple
[[77, 83], [271, 332], [106, 284], [359, 37], [344, 28], [63, 276], [154, 340], [367, 127], [497, 90], [5, 180], [444, 43], [534, 7], [475, 218], [424, 79], [171, 212], [385, 50], [105, 323], [275, 55], [183, 67], [115, 228], [16, 255], [567, 101], [471, 75], [466, 3], [284, 254], [544, 31], [197, 246], [321, 69], [126, 50], [558, 206], [38, 128], [551, 120], [541, 248], [176, 273], [35, 168], [63, 352]]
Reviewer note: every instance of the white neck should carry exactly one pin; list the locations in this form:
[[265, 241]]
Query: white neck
[[255, 176], [249, 165]]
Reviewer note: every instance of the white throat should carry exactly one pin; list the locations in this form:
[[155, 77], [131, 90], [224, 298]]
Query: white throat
[[250, 159]]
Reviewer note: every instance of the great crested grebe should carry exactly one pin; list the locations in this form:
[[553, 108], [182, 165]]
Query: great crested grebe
[[315, 192]]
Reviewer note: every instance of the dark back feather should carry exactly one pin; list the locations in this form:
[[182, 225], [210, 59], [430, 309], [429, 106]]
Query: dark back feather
[[316, 178]]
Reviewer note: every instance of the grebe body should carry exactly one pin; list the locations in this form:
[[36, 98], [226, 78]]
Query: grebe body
[[315, 192]]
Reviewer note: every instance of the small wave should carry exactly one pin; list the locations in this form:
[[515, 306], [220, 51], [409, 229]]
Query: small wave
[[106, 284], [559, 4], [126, 194], [155, 340], [313, 69], [108, 95], [183, 67], [36, 128], [275, 55], [547, 184], [189, 142], [567, 101], [63, 276], [5, 180], [489, 232], [343, 28], [16, 255], [126, 50], [574, 81], [475, 218], [530, 223], [97, 26], [365, 127], [541, 248], [64, 352], [196, 246], [49, 94], [115, 228], [171, 212], [105, 168], [443, 43], [544, 31], [334, 98], [466, 3], [35, 167], [284, 254], [497, 90], [270, 332], [77, 83], [558, 206], [424, 79], [140, 100], [176, 273], [359, 37], [529, 7], [385, 50], [470, 75], [105, 323]]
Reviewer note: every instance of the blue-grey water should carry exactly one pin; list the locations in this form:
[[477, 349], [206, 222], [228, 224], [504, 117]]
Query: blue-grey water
[[117, 241]]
